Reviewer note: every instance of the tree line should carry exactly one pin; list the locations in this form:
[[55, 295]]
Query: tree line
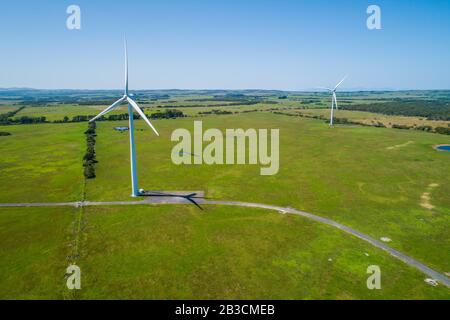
[[6, 118], [430, 109], [89, 159]]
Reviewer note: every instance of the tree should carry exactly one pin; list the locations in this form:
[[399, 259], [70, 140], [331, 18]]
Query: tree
[[89, 172]]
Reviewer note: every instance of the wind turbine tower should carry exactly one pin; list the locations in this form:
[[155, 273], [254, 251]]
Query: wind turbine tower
[[333, 99]]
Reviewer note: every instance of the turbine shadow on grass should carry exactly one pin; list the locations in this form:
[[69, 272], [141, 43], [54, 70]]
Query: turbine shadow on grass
[[189, 197]]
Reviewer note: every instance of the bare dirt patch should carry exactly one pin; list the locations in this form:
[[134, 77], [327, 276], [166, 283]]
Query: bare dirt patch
[[425, 198], [400, 145]]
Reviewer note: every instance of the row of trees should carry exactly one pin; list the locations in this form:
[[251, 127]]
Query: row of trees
[[217, 112], [111, 117], [430, 109], [440, 130], [27, 120], [89, 159], [168, 114], [5, 117]]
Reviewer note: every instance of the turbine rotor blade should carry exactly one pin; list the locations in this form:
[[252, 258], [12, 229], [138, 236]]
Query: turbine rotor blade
[[126, 66], [141, 113], [110, 108], [340, 83]]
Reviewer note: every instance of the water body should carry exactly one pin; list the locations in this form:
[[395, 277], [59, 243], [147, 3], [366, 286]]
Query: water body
[[444, 148]]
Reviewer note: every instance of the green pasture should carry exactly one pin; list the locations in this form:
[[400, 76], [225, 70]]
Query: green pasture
[[42, 162], [371, 179], [349, 174], [179, 252]]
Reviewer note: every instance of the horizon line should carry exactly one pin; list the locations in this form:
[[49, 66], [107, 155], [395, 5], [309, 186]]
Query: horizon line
[[356, 89]]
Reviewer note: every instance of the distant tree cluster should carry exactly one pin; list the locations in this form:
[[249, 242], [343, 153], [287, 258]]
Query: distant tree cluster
[[89, 159], [439, 130], [442, 130], [400, 126], [168, 114], [81, 118], [216, 112], [7, 118], [425, 128], [430, 109], [28, 120], [111, 117]]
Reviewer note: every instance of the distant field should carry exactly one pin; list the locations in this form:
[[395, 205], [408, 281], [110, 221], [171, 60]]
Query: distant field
[[58, 112], [7, 108], [373, 118]]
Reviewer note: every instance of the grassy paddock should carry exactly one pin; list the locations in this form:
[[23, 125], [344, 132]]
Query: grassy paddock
[[348, 174], [373, 118], [179, 252], [371, 179], [42, 162], [35, 244]]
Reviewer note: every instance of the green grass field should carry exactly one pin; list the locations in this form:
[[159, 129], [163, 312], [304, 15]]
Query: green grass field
[[179, 252], [7, 108], [371, 118], [370, 179], [42, 162]]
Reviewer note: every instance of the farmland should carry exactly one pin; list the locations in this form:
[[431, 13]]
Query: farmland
[[368, 178]]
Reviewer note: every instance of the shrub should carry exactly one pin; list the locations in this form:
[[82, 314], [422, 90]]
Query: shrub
[[442, 130], [400, 126]]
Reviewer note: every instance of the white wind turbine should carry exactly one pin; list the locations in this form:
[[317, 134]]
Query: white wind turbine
[[333, 99], [131, 105]]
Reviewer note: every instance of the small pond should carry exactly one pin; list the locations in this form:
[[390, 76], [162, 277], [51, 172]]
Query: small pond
[[444, 147]]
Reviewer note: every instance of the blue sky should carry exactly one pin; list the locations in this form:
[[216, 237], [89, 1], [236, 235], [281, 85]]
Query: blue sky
[[212, 44]]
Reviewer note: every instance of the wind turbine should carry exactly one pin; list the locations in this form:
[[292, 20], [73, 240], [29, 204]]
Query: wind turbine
[[131, 105], [333, 99]]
